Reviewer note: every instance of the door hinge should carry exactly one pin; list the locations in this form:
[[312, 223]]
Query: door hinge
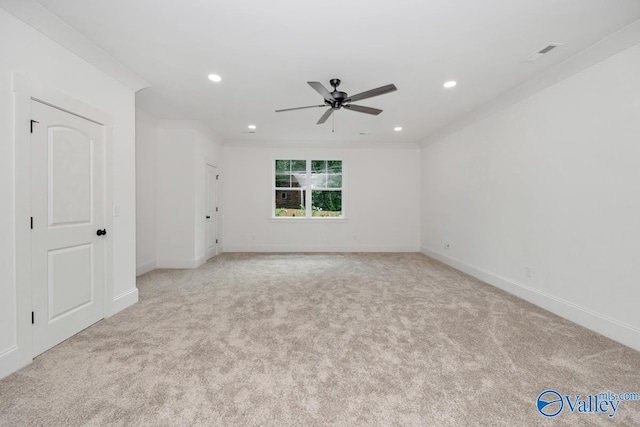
[[33, 318], [217, 176], [216, 209], [32, 223], [32, 122], [216, 240]]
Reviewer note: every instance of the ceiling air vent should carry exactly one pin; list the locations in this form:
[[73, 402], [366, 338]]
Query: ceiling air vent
[[545, 50]]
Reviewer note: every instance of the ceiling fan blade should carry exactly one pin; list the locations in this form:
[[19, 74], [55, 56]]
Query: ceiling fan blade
[[301, 108], [371, 93], [361, 109], [325, 116], [322, 90]]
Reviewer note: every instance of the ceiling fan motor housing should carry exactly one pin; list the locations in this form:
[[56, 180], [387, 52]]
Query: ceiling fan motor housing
[[339, 96], [338, 99]]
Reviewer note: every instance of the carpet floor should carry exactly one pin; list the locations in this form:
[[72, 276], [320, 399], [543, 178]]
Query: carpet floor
[[321, 339]]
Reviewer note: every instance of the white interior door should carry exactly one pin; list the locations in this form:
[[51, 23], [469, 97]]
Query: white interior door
[[67, 204], [211, 211]]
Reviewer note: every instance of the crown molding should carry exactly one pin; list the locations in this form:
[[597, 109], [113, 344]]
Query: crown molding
[[364, 145], [44, 21]]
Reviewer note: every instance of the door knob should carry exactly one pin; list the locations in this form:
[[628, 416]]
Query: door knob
[[101, 232]]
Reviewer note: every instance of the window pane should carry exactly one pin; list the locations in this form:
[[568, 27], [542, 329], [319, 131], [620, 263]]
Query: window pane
[[335, 166], [318, 174], [290, 203], [283, 180], [299, 180], [298, 173], [334, 180], [318, 166], [299, 166], [326, 203], [318, 180], [283, 166]]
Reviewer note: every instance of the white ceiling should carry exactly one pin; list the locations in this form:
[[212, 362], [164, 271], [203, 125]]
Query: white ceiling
[[266, 51]]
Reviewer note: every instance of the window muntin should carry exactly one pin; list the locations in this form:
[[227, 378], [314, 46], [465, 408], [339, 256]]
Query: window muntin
[[302, 183]]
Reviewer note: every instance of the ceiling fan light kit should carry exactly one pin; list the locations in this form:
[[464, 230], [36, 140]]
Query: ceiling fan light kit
[[337, 99]]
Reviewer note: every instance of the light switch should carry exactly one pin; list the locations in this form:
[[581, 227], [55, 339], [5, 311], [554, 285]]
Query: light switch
[[116, 210]]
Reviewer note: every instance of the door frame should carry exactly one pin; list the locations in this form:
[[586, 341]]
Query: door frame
[[25, 91], [208, 163]]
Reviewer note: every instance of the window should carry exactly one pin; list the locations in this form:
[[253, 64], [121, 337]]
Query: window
[[299, 184]]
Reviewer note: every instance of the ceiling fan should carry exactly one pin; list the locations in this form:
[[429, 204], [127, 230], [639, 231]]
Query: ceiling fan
[[337, 99]]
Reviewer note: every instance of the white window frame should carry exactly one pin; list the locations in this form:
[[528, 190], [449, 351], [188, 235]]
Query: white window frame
[[308, 191]]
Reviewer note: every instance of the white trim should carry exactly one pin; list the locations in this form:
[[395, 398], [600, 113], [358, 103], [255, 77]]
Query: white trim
[[24, 91], [320, 248], [611, 328], [145, 268], [179, 263], [123, 301], [60, 100], [298, 144], [11, 361], [607, 47], [44, 21], [22, 199], [108, 217]]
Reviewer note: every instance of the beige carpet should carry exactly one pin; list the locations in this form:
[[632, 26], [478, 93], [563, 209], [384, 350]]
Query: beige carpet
[[320, 339]]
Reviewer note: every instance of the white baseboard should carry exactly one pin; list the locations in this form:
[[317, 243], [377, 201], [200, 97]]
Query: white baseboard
[[123, 301], [145, 268], [320, 248], [171, 263], [611, 328], [177, 263], [10, 361]]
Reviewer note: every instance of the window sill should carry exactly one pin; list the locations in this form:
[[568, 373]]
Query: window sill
[[290, 219]]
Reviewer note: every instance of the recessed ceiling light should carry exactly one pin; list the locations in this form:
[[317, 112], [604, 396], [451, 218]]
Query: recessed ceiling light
[[251, 127], [450, 84], [215, 78], [397, 128]]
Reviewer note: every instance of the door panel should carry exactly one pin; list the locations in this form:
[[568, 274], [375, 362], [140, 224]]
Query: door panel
[[67, 204], [70, 282], [69, 176]]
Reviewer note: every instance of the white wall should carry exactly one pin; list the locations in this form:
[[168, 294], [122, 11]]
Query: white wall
[[172, 155], [381, 200], [29, 53], [146, 144], [553, 183], [175, 198]]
